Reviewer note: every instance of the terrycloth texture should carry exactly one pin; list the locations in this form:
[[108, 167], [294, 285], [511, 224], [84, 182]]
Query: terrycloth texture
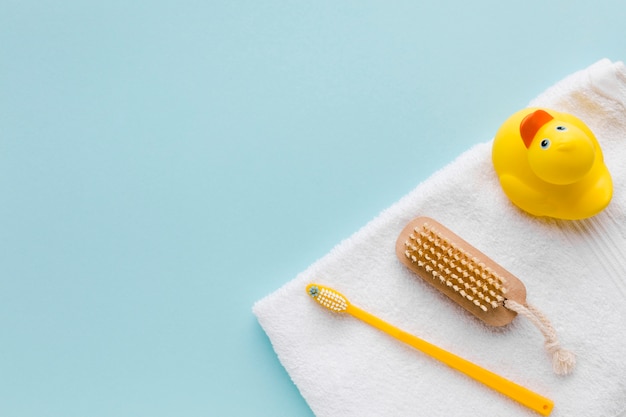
[[574, 271]]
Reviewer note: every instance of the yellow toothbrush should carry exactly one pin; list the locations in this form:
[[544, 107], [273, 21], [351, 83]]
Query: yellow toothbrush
[[338, 303]]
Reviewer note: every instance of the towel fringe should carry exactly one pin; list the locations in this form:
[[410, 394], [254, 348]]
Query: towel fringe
[[563, 361]]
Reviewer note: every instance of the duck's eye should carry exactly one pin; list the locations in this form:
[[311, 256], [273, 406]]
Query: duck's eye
[[545, 144], [561, 128]]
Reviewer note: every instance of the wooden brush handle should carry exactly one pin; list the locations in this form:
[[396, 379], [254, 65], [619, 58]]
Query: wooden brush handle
[[499, 316]]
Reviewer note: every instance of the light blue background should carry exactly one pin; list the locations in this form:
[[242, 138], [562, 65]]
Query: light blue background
[[165, 164]]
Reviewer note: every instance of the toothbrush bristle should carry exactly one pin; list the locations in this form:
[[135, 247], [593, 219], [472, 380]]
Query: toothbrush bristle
[[328, 298], [455, 268]]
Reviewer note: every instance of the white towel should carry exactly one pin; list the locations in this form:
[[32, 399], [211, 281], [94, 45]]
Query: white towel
[[574, 271]]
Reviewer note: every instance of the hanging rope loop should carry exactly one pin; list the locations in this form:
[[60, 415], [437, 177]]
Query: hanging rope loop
[[563, 361]]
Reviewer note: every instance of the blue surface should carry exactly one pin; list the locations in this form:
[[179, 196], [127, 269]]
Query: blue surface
[[163, 165]]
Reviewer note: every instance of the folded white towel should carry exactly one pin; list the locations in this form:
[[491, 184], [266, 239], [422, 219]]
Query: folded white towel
[[574, 271]]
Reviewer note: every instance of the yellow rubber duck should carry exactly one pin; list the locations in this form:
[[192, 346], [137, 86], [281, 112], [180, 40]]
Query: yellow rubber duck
[[550, 164]]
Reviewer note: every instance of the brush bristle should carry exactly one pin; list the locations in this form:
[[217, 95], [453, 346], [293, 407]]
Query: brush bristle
[[328, 298], [455, 268]]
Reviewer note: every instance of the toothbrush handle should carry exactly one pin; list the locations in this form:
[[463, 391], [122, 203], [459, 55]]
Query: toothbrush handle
[[523, 395]]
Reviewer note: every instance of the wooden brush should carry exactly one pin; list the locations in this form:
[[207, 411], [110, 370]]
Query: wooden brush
[[473, 280]]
